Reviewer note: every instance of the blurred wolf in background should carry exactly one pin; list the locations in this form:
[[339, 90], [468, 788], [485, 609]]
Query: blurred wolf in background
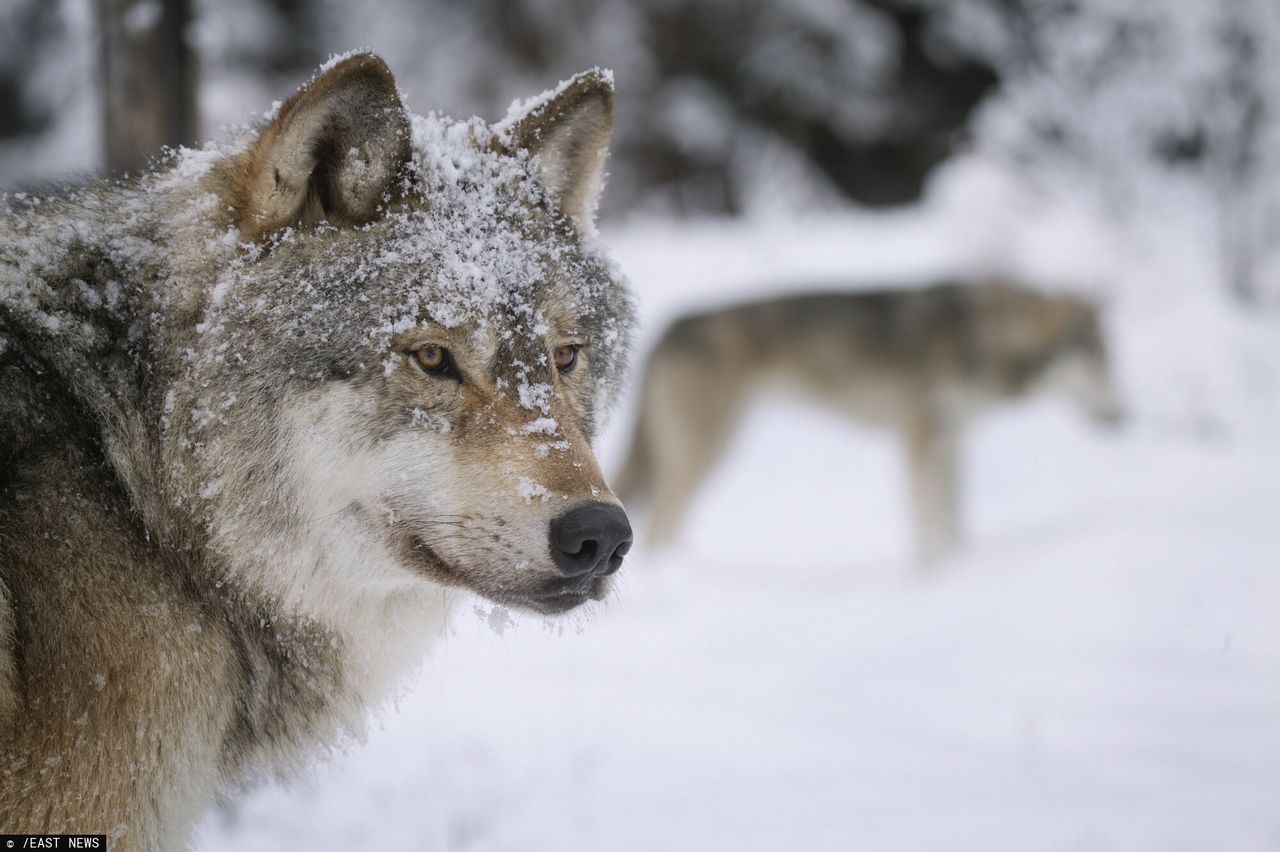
[[920, 362], [262, 410]]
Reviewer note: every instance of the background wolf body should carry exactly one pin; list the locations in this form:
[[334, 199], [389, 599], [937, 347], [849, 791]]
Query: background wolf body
[[920, 362], [234, 494]]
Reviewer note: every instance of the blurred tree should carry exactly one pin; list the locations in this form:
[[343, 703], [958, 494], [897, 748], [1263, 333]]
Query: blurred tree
[[23, 29], [148, 80], [724, 104], [1159, 111], [1250, 199], [868, 93]]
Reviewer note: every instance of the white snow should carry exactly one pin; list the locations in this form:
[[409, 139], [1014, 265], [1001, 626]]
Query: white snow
[[1101, 669], [540, 426], [519, 108], [338, 58], [528, 490]]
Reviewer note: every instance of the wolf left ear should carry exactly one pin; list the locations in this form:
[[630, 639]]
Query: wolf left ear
[[330, 154], [568, 132]]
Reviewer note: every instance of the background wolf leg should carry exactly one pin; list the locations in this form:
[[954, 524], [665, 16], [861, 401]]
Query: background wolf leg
[[933, 472], [692, 410]]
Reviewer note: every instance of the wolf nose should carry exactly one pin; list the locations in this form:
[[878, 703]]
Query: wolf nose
[[590, 539]]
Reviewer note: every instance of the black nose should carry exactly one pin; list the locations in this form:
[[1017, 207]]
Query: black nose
[[590, 539]]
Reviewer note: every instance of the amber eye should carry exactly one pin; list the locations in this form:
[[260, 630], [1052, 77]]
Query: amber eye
[[565, 357], [435, 360]]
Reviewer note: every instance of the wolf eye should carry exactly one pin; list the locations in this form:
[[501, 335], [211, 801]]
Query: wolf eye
[[436, 361], [565, 357]]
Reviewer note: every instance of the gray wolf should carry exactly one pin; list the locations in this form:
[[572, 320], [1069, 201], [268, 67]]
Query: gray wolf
[[264, 411], [922, 363]]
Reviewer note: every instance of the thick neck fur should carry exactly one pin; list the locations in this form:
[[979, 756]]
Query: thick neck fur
[[92, 301]]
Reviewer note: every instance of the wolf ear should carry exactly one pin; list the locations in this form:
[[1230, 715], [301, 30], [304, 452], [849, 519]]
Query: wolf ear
[[568, 131], [330, 154]]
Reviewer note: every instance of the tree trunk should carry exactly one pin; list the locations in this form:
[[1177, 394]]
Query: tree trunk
[[148, 80]]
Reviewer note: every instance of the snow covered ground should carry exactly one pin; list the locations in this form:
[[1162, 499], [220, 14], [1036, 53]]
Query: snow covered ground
[[1101, 670]]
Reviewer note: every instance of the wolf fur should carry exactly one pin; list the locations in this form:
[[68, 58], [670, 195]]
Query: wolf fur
[[234, 508], [922, 363]]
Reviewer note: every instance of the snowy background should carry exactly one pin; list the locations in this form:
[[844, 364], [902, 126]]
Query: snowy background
[[1099, 671]]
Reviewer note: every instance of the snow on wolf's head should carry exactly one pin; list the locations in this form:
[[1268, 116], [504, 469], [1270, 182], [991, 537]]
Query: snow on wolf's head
[[398, 376]]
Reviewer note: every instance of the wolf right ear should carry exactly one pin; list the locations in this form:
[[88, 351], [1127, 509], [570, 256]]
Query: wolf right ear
[[568, 132], [330, 154]]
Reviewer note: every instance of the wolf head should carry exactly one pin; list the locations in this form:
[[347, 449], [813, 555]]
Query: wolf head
[[396, 374], [1053, 344], [1082, 371]]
